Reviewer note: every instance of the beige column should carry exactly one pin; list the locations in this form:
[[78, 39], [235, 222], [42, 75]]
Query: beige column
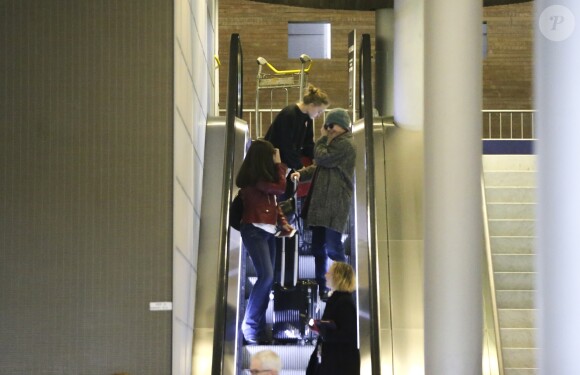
[[453, 218], [384, 68], [557, 93], [408, 64]]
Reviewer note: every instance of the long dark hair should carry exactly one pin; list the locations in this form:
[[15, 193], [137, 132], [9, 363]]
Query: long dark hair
[[258, 165]]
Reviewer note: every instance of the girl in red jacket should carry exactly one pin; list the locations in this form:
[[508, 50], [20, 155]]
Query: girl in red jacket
[[261, 178]]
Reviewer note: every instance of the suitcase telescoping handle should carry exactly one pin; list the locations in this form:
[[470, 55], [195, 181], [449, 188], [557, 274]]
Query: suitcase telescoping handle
[[283, 261], [295, 280]]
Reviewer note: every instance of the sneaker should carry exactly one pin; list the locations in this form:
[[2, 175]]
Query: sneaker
[[250, 341], [257, 341]]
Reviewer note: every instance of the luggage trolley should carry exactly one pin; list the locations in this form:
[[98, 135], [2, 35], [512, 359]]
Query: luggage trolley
[[279, 79]]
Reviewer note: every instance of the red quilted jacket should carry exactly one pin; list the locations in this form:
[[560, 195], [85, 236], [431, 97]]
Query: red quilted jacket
[[260, 200]]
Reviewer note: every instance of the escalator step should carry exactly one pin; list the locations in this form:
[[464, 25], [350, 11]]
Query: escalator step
[[294, 357]]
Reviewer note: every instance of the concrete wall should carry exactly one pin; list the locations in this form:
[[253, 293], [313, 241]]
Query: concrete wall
[[86, 180]]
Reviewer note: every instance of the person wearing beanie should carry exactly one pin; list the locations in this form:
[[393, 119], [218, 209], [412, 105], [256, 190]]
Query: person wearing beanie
[[340, 117], [327, 206]]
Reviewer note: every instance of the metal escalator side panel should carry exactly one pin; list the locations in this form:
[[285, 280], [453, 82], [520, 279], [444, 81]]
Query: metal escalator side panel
[[372, 235], [404, 190], [365, 235], [207, 258], [361, 246]]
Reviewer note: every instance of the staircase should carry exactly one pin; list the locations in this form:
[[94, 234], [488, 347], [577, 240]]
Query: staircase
[[510, 197]]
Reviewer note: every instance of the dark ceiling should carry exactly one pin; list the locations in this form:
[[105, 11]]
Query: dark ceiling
[[362, 4]]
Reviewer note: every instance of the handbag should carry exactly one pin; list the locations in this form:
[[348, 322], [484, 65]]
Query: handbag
[[236, 212]]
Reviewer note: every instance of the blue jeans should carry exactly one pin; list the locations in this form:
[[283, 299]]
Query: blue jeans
[[326, 243], [261, 246]]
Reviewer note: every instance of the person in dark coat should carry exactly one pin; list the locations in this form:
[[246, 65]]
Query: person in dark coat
[[327, 207], [336, 351], [292, 132], [261, 178], [293, 128]]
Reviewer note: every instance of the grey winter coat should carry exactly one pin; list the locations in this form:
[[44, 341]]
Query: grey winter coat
[[333, 188]]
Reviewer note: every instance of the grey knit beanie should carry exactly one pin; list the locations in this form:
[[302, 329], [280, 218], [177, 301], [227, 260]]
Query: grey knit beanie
[[338, 116]]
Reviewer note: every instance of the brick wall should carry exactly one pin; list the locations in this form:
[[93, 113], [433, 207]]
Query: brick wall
[[263, 30], [507, 69]]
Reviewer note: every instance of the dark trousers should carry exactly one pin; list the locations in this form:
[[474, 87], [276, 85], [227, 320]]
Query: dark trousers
[[326, 243], [261, 246]]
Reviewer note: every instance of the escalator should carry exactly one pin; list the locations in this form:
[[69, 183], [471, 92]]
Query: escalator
[[225, 274]]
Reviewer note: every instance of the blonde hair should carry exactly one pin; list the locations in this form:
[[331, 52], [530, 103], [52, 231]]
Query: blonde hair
[[342, 277], [315, 96], [269, 360]]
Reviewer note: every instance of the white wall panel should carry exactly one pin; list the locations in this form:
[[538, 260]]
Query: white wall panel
[[193, 95]]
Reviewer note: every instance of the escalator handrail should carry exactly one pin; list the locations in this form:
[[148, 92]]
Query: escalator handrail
[[233, 109], [490, 277], [366, 109]]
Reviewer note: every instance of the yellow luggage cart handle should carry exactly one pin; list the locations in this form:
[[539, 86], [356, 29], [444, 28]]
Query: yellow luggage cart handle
[[303, 59]]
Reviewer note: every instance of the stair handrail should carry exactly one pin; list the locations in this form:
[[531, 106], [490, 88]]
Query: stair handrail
[[233, 110], [490, 276]]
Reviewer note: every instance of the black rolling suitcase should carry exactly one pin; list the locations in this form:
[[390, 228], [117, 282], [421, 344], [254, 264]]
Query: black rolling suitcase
[[294, 305], [295, 302]]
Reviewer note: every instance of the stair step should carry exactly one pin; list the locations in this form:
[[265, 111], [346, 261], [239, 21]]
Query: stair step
[[517, 318], [515, 299], [512, 244], [514, 280], [520, 371], [294, 357], [510, 194], [306, 268], [509, 227], [519, 357], [510, 178], [518, 338], [508, 210], [509, 162], [513, 263]]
